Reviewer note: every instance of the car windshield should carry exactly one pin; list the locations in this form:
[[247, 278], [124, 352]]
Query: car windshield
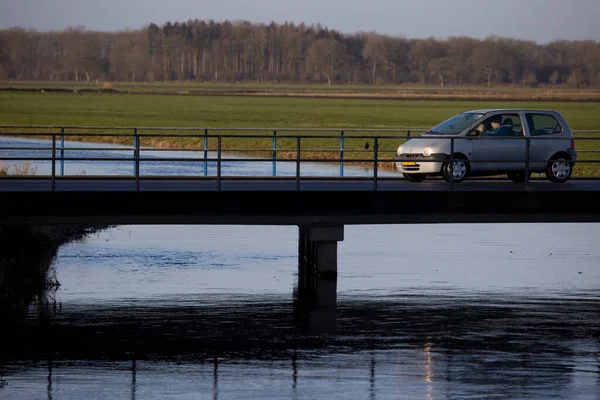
[[456, 124]]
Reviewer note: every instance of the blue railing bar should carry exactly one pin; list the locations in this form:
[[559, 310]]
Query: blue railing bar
[[205, 152], [375, 162], [67, 149], [62, 151], [312, 160], [342, 153], [298, 160], [137, 161], [82, 134], [199, 136], [172, 128], [263, 136], [327, 137], [387, 138], [254, 177], [274, 169], [197, 150], [129, 159], [108, 149]]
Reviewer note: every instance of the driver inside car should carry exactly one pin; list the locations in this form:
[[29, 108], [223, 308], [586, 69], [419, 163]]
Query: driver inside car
[[489, 126]]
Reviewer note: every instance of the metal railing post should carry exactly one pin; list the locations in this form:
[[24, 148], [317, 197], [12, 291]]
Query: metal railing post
[[297, 162], [53, 172], [375, 161], [527, 147], [274, 172], [219, 163], [341, 153], [136, 139], [452, 163], [62, 151], [206, 152]]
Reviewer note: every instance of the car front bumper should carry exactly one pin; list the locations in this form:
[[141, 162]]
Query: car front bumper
[[419, 164]]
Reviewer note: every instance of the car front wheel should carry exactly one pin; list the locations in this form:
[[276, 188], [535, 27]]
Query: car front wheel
[[559, 170], [457, 170], [415, 177]]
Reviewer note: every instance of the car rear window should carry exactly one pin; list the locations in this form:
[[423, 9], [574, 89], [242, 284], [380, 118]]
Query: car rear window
[[543, 124]]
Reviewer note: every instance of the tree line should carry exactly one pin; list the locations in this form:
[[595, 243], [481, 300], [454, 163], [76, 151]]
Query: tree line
[[242, 51]]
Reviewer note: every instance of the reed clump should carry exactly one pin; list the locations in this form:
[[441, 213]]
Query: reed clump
[[20, 169]]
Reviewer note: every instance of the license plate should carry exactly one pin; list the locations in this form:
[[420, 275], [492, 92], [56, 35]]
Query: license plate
[[408, 163]]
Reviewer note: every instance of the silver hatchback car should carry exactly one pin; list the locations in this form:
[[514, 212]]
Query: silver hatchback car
[[515, 142]]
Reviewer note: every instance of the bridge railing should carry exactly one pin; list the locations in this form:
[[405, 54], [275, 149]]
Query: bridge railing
[[374, 150]]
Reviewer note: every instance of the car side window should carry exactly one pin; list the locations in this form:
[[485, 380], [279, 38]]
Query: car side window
[[543, 124], [504, 125]]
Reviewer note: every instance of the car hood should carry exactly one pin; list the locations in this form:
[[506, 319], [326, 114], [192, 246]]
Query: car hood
[[417, 145]]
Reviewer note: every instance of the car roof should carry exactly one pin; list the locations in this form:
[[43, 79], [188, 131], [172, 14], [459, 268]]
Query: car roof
[[489, 110]]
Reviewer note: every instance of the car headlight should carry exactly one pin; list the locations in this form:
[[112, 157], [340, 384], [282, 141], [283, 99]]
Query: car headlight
[[427, 151]]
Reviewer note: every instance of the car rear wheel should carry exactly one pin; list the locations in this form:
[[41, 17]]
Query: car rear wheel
[[459, 170], [518, 176], [415, 177], [559, 169]]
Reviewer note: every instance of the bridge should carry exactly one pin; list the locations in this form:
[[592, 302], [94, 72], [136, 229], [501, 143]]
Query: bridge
[[318, 203]]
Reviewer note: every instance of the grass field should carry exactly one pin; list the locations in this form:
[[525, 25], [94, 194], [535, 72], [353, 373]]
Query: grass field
[[172, 110], [395, 91]]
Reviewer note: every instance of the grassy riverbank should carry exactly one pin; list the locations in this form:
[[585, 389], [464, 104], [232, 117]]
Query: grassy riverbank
[[27, 257], [173, 110]]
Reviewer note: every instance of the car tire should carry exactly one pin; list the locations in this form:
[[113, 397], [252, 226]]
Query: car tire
[[461, 169], [559, 169], [415, 177], [518, 176]]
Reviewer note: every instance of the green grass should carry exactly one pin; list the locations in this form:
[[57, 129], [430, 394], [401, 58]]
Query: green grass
[[265, 112], [168, 110], [179, 87]]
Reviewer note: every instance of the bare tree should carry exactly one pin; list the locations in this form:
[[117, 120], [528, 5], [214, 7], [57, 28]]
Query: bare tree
[[231, 51]]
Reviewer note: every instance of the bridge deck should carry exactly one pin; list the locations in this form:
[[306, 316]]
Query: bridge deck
[[192, 184], [268, 201]]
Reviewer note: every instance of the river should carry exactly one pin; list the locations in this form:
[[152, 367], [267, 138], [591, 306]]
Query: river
[[424, 312]]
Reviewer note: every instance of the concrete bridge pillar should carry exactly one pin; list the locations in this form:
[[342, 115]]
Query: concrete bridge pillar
[[317, 265]]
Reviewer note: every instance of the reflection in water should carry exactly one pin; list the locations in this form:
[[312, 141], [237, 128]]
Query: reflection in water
[[295, 372], [516, 348], [428, 369], [215, 378], [372, 380], [133, 378], [50, 379]]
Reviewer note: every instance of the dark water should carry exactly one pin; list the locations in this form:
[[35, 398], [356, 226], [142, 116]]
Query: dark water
[[407, 347], [508, 311], [208, 312]]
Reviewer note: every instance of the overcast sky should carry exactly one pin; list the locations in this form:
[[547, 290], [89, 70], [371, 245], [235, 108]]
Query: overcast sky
[[539, 20]]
